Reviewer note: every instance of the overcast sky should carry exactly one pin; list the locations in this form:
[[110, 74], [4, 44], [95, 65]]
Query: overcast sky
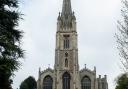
[[96, 27]]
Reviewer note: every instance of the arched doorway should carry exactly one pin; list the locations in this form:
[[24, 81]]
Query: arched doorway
[[66, 80], [86, 83], [47, 82]]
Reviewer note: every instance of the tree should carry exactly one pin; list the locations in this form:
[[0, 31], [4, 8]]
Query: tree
[[10, 40], [122, 36], [29, 83], [122, 82]]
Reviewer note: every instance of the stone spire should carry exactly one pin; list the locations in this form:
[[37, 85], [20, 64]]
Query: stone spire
[[66, 9], [66, 19]]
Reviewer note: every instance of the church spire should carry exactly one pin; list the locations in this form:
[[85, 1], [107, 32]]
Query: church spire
[[66, 9], [66, 19]]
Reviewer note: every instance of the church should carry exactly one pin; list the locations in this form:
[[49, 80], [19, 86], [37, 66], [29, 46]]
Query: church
[[66, 73]]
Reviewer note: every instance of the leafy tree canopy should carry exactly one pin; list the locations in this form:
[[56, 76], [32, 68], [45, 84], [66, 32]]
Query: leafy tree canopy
[[122, 82], [29, 83], [10, 40], [122, 36]]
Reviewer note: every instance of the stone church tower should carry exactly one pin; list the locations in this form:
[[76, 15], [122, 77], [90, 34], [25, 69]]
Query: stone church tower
[[66, 73]]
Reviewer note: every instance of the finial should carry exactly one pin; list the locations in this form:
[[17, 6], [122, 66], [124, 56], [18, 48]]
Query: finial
[[100, 76], [59, 13], [39, 73], [39, 70], [85, 66], [59, 16], [48, 65], [95, 68], [73, 12], [105, 76]]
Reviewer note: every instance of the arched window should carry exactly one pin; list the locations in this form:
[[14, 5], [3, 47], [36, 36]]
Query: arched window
[[66, 62], [86, 83], [66, 80], [47, 82], [66, 43]]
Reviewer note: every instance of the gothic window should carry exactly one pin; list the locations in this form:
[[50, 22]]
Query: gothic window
[[66, 62], [66, 80], [86, 83], [47, 82], [66, 42]]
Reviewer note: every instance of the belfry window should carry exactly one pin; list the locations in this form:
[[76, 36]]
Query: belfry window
[[47, 82], [86, 83], [66, 80], [66, 42]]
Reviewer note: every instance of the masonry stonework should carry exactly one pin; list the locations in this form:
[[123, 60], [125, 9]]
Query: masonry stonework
[[66, 73]]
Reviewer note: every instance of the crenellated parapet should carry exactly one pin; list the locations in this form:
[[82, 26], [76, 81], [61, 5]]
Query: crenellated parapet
[[102, 82]]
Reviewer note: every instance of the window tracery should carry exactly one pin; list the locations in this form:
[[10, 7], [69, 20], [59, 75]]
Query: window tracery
[[47, 82], [86, 83], [66, 80]]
